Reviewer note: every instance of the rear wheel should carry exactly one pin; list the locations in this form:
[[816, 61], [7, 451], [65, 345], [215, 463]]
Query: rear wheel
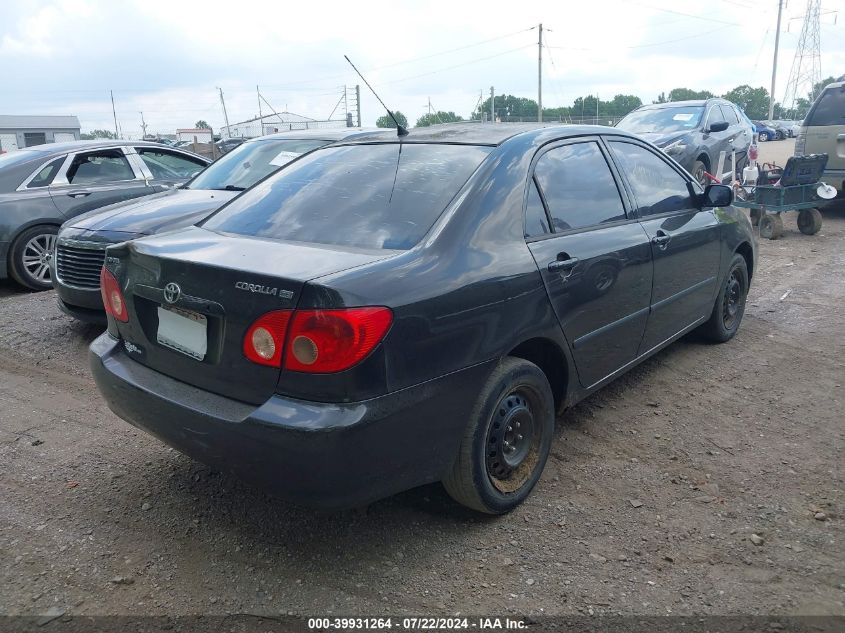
[[771, 226], [763, 136], [507, 441], [31, 255], [809, 221], [730, 304]]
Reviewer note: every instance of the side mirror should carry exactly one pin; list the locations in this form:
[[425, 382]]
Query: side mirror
[[719, 126], [717, 196]]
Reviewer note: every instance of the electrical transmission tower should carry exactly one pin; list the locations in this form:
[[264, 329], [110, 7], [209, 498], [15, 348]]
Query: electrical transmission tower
[[806, 67]]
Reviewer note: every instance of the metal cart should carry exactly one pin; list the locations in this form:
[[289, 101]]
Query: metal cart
[[767, 202]]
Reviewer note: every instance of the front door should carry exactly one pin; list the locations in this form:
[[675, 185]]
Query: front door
[[95, 179], [685, 241], [595, 261]]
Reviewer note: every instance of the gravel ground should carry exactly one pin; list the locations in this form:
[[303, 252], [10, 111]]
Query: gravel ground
[[706, 481]]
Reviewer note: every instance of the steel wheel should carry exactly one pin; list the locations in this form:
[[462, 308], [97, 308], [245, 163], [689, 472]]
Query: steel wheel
[[513, 441], [734, 299], [37, 255]]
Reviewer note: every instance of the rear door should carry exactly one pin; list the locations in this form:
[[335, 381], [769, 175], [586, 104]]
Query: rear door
[[595, 260], [685, 240], [825, 133], [93, 179]]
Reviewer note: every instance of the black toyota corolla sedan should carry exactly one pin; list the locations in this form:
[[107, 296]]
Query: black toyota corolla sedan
[[380, 315]]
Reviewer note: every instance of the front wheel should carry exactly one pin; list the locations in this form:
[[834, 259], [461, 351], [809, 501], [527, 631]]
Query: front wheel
[[31, 255], [763, 136], [730, 304], [699, 170], [507, 440]]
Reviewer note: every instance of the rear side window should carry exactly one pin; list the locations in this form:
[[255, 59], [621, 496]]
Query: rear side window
[[536, 222], [45, 176], [578, 186], [366, 196], [830, 108], [657, 186]]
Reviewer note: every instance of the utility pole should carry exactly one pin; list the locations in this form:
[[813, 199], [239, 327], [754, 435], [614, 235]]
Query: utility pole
[[143, 127], [260, 117], [540, 76], [225, 115], [775, 63], [358, 102], [114, 114], [492, 108]]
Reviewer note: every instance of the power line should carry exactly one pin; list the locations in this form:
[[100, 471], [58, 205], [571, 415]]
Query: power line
[[688, 15]]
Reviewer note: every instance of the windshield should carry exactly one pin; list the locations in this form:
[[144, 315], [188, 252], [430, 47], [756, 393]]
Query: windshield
[[250, 162], [366, 196], [660, 120], [17, 157]]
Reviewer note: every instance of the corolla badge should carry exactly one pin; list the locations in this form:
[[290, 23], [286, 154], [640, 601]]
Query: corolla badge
[[172, 292], [264, 290]]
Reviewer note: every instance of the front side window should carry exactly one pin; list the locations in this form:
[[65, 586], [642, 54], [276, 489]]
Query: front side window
[[100, 167], [46, 174], [657, 186], [578, 186], [366, 196], [715, 116], [250, 162], [729, 114], [164, 164]]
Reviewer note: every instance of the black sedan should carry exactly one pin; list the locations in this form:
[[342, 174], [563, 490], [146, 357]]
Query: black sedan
[[81, 242], [380, 315], [43, 186]]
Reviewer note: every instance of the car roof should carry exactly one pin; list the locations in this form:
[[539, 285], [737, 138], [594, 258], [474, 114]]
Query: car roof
[[489, 133], [75, 146], [328, 134], [683, 104]]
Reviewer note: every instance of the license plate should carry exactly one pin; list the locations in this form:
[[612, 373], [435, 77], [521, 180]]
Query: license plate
[[183, 331]]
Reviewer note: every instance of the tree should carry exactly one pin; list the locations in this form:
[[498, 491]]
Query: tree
[[753, 101], [622, 105], [95, 134], [386, 121], [509, 107], [438, 117], [202, 125], [685, 94]]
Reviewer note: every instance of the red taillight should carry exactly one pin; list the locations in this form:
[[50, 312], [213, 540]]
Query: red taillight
[[112, 295], [326, 341], [265, 339], [316, 341]]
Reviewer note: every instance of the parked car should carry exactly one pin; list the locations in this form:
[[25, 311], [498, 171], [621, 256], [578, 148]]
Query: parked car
[[694, 133], [764, 132], [82, 241], [228, 144], [823, 132], [785, 129], [43, 186], [377, 316]]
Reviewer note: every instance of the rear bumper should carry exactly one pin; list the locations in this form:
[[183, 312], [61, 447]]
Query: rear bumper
[[835, 178], [323, 455]]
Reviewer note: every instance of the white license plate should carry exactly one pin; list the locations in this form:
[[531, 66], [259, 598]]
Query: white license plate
[[183, 331]]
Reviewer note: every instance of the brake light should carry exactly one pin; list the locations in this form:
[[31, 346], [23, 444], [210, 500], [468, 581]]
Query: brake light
[[113, 300], [265, 339]]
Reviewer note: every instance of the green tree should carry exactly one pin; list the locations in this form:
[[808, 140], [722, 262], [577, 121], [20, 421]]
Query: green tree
[[509, 107], [685, 94], [753, 101], [386, 121], [622, 105], [95, 134], [202, 125], [817, 88], [438, 117]]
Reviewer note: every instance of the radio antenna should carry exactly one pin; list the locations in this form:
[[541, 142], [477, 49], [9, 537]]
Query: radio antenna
[[400, 130]]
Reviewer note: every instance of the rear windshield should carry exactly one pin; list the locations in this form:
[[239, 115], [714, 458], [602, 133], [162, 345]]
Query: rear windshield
[[16, 157], [250, 162], [367, 196], [830, 109]]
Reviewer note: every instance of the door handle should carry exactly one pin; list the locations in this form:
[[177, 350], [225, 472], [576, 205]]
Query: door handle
[[79, 194], [563, 264], [661, 240]]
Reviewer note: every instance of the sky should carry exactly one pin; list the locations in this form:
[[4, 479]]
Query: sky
[[167, 58]]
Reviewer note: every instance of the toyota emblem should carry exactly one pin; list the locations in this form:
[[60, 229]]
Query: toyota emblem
[[172, 292]]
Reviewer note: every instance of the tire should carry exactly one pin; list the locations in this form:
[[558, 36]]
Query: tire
[[30, 256], [698, 169], [494, 471], [771, 226], [809, 221], [729, 307], [763, 136]]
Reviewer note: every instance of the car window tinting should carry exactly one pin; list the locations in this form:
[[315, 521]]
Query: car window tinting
[[250, 162], [830, 110], [164, 164], [729, 114], [715, 116], [367, 196], [657, 186], [45, 176], [578, 186], [536, 222], [104, 166]]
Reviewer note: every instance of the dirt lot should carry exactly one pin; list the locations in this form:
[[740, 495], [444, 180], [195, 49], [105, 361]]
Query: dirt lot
[[707, 481]]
